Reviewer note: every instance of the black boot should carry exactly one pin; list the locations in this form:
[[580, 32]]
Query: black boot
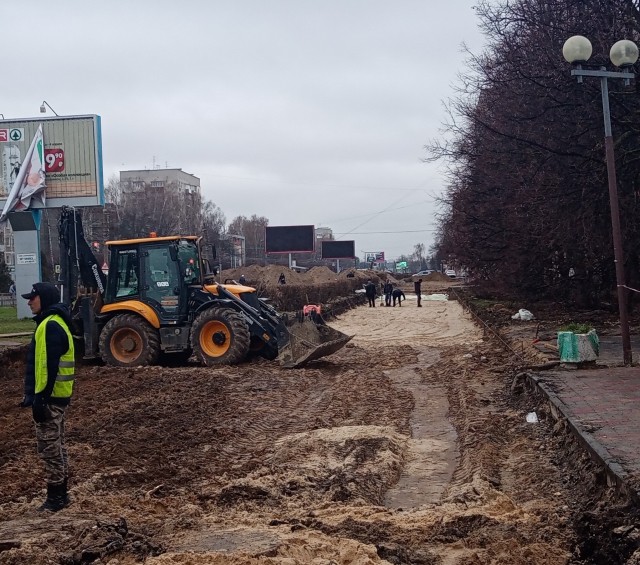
[[57, 498], [65, 492]]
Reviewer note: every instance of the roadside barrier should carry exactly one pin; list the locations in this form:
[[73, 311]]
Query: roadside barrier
[[7, 299]]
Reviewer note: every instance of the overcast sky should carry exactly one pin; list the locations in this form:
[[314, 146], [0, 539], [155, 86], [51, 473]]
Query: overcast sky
[[303, 111]]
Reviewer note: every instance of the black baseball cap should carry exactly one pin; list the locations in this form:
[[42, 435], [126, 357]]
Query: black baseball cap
[[40, 288]]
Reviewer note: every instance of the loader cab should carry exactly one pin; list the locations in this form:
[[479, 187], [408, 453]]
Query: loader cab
[[155, 271]]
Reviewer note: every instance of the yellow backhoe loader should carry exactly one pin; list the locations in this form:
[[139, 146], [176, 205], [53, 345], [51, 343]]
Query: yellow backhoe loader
[[160, 304]]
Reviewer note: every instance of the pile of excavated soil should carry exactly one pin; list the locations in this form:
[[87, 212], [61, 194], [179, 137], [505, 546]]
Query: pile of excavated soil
[[267, 276], [437, 277]]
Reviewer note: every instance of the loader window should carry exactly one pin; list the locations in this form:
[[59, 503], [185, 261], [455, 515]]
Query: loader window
[[127, 280], [163, 283], [189, 264]]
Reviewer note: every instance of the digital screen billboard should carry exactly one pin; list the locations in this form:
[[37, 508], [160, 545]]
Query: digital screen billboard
[[290, 239], [338, 249]]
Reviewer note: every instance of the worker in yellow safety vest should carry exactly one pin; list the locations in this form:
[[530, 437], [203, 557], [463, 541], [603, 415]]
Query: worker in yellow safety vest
[[48, 385]]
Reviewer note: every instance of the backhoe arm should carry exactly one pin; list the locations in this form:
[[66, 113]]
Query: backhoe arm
[[78, 264]]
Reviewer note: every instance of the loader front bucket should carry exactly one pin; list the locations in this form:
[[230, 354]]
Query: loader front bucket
[[307, 341]]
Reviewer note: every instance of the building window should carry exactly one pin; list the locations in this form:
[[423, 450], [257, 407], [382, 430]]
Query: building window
[[157, 184]]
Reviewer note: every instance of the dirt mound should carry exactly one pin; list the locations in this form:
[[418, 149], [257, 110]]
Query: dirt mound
[[267, 276], [257, 275], [436, 277]]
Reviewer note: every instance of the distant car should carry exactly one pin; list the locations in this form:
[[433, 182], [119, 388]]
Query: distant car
[[450, 273], [425, 272]]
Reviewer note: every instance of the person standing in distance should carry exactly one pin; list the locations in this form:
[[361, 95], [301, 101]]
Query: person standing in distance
[[417, 286], [370, 293], [48, 384], [387, 289]]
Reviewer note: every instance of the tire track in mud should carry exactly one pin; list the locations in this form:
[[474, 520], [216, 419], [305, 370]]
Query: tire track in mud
[[432, 450], [472, 411]]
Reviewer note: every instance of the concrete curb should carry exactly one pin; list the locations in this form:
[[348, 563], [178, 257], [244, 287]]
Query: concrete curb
[[616, 475]]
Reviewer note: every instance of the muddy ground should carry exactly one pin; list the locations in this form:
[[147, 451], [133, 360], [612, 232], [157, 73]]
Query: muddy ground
[[407, 446]]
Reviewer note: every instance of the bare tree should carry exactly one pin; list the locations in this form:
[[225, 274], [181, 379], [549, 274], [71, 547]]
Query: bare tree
[[253, 230], [526, 204], [213, 220], [418, 253]]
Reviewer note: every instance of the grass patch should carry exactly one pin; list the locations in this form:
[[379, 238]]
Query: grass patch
[[576, 328], [9, 324], [483, 303]]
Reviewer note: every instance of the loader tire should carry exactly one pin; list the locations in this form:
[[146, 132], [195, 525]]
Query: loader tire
[[129, 341], [219, 336]]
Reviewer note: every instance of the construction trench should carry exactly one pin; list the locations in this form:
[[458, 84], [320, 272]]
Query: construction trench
[[410, 445]]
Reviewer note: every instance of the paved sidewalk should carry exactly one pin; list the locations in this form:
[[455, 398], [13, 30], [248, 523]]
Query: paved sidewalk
[[602, 406]]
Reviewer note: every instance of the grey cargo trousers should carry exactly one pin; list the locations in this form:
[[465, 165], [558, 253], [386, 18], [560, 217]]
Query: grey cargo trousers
[[51, 447]]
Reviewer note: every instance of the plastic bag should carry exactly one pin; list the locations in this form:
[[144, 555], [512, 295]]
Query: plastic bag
[[437, 297], [522, 314]]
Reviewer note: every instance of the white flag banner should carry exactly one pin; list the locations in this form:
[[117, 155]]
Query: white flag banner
[[30, 182]]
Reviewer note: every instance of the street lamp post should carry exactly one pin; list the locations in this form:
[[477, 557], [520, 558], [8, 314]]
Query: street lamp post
[[577, 50]]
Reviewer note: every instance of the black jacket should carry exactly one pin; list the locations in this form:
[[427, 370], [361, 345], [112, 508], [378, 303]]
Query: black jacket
[[370, 290]]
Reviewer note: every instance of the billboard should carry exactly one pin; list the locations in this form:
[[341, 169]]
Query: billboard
[[72, 156], [374, 256], [338, 249], [289, 239]]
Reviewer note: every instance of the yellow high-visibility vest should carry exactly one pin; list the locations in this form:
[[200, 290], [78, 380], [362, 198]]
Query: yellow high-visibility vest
[[63, 386]]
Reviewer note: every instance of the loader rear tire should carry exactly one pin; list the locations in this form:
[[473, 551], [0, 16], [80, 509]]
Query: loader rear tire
[[129, 341], [219, 336]]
